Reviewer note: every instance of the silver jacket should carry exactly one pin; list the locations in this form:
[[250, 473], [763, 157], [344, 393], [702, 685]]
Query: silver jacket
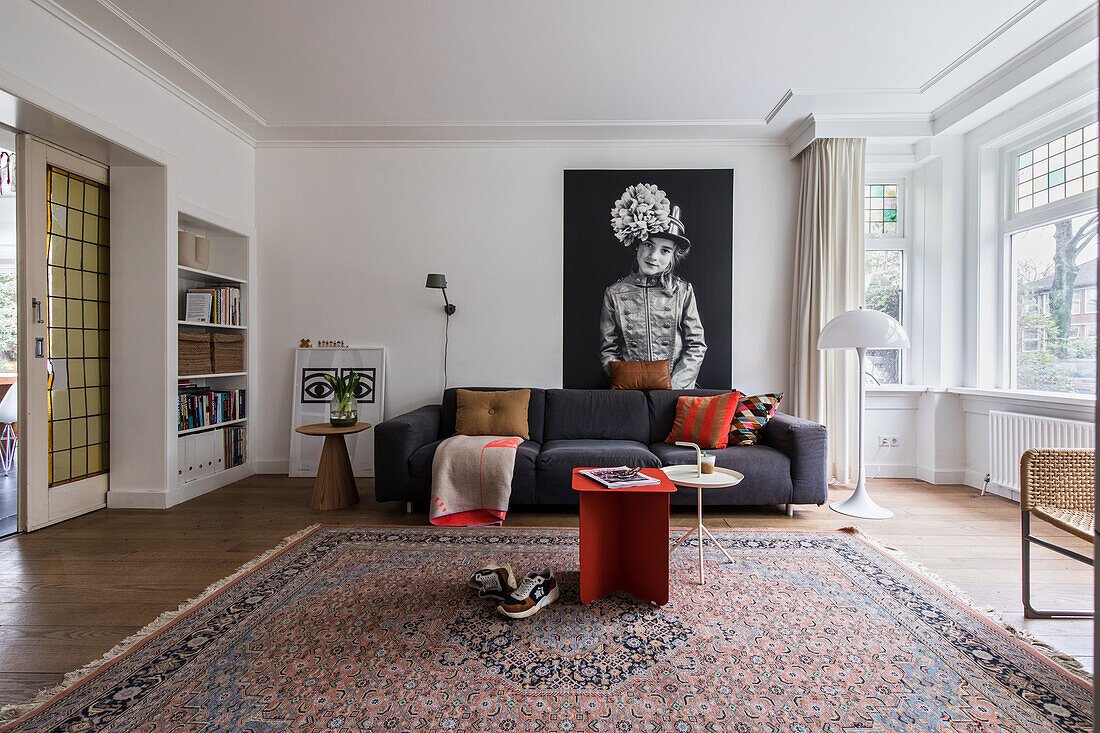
[[643, 321]]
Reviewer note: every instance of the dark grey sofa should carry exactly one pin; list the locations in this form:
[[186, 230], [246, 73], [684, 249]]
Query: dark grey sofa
[[590, 427]]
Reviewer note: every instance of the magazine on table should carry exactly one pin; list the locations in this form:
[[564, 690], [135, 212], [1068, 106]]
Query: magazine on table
[[620, 477]]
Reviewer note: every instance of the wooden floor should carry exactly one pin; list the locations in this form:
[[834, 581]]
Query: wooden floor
[[68, 593]]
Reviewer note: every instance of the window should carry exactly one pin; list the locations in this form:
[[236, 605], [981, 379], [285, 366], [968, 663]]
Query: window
[[1057, 169], [884, 269], [1055, 345], [880, 209]]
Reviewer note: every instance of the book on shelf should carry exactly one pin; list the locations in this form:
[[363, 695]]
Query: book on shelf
[[235, 453], [198, 307], [620, 477], [200, 407], [221, 306]]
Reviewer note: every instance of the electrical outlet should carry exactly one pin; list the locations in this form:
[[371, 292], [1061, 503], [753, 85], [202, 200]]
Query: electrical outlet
[[893, 441], [888, 441]]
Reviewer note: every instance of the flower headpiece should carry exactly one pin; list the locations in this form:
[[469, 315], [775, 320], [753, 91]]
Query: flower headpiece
[[642, 210]]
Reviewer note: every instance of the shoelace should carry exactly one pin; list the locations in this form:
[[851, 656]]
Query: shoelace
[[527, 585]]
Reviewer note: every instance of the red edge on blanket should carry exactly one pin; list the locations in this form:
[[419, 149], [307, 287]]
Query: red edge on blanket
[[482, 515]]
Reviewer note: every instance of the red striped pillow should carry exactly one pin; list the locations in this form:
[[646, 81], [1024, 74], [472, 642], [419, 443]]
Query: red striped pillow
[[704, 421]]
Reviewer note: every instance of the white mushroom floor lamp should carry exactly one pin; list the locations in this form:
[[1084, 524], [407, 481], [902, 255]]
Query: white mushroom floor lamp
[[861, 330]]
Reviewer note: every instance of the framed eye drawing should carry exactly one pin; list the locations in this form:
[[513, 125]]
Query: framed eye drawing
[[312, 395], [315, 389]]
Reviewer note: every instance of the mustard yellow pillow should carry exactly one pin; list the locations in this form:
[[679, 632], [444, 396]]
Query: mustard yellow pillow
[[492, 413]]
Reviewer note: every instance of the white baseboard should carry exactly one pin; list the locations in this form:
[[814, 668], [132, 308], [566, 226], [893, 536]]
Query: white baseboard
[[891, 470], [928, 475], [941, 476], [977, 480], [137, 500], [273, 466]]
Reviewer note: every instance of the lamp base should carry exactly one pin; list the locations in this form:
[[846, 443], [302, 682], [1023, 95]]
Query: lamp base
[[860, 504]]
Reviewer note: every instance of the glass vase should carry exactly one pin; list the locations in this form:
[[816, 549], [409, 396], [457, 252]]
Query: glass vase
[[343, 412]]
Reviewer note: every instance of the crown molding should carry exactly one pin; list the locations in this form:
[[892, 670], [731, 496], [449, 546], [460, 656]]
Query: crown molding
[[973, 50], [113, 48], [604, 144], [798, 112], [1067, 40], [179, 59]]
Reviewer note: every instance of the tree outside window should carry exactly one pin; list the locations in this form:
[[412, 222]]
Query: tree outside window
[[882, 275], [1054, 269]]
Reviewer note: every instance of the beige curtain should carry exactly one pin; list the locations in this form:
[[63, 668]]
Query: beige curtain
[[828, 281]]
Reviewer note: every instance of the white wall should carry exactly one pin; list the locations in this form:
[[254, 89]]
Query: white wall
[[73, 79], [48, 62], [348, 234]]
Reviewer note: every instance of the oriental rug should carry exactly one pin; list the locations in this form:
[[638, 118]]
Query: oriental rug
[[373, 629]]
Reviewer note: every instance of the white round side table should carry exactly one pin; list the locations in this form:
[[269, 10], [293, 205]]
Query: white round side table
[[691, 476]]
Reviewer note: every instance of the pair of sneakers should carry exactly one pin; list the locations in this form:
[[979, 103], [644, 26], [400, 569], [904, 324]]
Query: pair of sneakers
[[517, 600]]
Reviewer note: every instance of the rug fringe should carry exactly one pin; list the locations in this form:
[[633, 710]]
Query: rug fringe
[[1059, 658], [15, 711]]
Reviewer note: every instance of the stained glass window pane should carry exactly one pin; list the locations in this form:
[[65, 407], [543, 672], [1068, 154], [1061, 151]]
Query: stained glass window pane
[[1057, 169], [880, 204], [77, 282]]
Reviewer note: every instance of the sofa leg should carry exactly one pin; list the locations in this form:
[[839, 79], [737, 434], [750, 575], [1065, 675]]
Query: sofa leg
[[790, 510]]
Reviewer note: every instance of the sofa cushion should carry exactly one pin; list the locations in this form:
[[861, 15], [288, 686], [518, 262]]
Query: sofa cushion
[[481, 412], [640, 374], [596, 414], [704, 421], [753, 413], [555, 464], [661, 408], [767, 472], [523, 478], [536, 409]]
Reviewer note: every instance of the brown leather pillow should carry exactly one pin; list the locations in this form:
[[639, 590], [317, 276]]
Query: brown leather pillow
[[640, 375], [492, 413]]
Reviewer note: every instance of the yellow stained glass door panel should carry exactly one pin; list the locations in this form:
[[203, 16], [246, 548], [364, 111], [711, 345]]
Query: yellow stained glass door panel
[[78, 288], [64, 262]]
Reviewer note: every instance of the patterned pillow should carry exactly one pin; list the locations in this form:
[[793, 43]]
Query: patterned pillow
[[751, 415], [704, 421]]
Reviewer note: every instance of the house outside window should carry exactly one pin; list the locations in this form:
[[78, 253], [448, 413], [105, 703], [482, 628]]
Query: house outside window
[[884, 269], [1050, 229]]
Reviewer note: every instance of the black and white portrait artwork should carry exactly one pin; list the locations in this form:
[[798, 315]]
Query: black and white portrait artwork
[[648, 273]]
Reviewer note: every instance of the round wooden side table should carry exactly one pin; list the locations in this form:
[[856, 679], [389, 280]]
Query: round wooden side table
[[334, 487]]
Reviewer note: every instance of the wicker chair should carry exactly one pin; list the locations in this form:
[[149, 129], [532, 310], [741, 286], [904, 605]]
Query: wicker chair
[[1056, 485]]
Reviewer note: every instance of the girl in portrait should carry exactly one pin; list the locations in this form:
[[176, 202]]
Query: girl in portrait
[[651, 313]]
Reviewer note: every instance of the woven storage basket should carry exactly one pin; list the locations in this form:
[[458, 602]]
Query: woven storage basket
[[228, 352], [195, 355]]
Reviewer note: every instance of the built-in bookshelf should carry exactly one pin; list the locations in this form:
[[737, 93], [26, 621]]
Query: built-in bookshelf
[[212, 448]]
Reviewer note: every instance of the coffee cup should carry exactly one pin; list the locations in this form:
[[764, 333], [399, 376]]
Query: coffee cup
[[707, 465]]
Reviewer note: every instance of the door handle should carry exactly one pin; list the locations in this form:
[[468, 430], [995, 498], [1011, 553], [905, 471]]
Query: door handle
[[40, 348], [36, 304]]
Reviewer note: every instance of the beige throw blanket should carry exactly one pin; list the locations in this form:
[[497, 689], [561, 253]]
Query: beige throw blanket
[[472, 480]]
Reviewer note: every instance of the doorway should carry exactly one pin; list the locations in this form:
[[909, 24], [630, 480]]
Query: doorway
[[9, 484], [64, 286]]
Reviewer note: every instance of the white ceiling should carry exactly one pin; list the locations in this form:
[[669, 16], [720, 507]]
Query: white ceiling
[[285, 69]]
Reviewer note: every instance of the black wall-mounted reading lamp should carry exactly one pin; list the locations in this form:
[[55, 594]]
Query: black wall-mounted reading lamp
[[437, 280]]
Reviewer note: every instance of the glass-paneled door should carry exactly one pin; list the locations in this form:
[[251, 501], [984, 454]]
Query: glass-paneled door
[[65, 261]]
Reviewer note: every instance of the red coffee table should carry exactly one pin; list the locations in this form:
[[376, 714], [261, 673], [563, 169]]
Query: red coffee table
[[624, 538]]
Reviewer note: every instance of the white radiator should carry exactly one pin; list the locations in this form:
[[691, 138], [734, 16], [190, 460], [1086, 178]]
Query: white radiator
[[1010, 434]]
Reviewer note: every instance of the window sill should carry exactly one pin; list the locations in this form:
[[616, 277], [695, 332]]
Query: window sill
[[897, 388], [1026, 397]]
